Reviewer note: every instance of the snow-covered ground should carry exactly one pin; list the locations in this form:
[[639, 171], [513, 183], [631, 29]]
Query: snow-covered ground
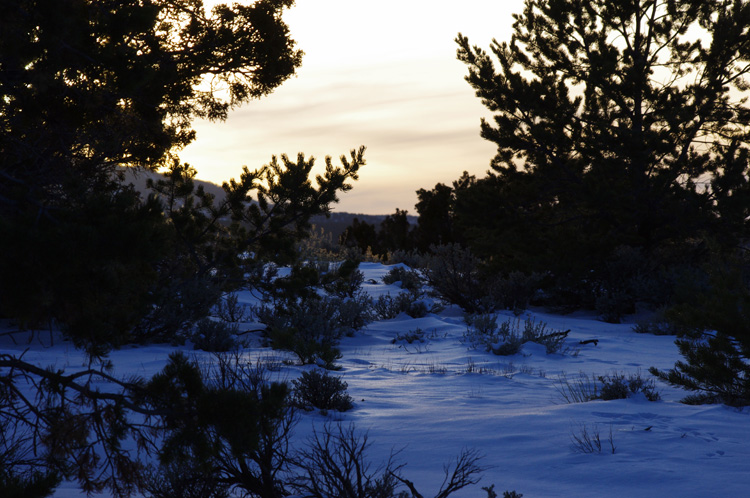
[[435, 398]]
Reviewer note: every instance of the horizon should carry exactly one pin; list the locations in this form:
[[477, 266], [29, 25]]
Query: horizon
[[400, 92]]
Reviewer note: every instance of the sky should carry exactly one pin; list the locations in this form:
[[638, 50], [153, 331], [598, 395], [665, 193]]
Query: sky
[[380, 74]]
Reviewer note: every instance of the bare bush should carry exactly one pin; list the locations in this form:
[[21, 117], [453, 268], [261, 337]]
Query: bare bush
[[579, 390], [605, 387], [587, 440], [335, 464], [464, 471], [508, 337]]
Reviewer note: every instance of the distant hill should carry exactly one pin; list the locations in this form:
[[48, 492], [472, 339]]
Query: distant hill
[[139, 178], [335, 225]]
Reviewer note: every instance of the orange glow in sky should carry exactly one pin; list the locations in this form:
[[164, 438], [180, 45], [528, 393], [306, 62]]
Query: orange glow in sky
[[381, 74]]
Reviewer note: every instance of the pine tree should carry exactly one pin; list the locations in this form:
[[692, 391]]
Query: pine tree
[[615, 122], [714, 317], [437, 209], [88, 88], [395, 233]]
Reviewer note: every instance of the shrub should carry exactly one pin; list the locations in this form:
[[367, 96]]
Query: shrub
[[412, 259], [483, 332], [508, 338], [309, 328], [178, 304], [458, 277], [579, 390], [19, 479], [319, 246], [355, 312], [410, 337], [715, 368], [658, 324], [491, 493], [605, 387], [612, 305], [335, 464], [716, 314], [463, 471], [484, 324], [35, 485], [538, 332], [511, 344], [322, 391], [417, 309], [307, 313], [231, 435], [618, 386], [515, 291], [410, 279], [386, 307], [587, 440], [213, 336], [345, 280], [229, 309], [630, 276], [453, 274], [184, 479]]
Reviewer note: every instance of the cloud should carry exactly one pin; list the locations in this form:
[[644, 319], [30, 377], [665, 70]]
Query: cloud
[[382, 77]]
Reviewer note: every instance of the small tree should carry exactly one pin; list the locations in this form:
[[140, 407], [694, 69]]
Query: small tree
[[437, 210], [360, 234], [453, 273], [395, 233], [716, 364]]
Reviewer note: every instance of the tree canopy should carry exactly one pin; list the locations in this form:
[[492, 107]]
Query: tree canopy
[[617, 124], [88, 86]]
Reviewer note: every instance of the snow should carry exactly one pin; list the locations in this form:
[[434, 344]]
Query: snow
[[434, 398]]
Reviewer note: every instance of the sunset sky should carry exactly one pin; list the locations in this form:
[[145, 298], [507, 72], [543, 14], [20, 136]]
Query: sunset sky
[[381, 74]]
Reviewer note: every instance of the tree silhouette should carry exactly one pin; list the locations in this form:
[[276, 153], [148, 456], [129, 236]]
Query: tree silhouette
[[617, 124], [622, 131], [88, 87]]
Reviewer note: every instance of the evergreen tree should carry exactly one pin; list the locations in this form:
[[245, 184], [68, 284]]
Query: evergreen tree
[[714, 317], [617, 124], [434, 209], [360, 234], [88, 87], [395, 233], [437, 209]]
